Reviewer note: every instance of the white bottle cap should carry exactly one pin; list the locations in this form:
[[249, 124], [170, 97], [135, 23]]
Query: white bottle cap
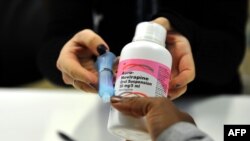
[[150, 31]]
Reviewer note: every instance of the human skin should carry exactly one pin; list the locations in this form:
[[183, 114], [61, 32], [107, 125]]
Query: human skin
[[78, 67]]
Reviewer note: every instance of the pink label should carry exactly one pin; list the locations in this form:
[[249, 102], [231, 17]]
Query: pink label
[[144, 73]]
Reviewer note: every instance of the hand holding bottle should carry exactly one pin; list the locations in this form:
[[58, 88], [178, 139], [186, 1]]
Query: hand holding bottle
[[160, 112], [183, 68]]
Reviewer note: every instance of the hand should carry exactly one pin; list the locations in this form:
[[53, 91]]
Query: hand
[[160, 112], [76, 60], [183, 68]]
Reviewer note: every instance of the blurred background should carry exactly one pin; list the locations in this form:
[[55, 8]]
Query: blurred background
[[245, 67], [20, 28]]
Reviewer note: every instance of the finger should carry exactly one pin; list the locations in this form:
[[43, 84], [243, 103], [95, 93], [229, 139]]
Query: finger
[[175, 93], [164, 22], [133, 106], [186, 72], [84, 86], [69, 64], [115, 66], [79, 85], [67, 79], [90, 40]]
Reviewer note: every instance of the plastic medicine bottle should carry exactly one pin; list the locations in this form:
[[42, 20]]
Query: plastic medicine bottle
[[144, 71]]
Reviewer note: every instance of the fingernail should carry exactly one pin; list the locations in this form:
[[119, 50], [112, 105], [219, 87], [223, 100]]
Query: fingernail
[[94, 58], [116, 99], [177, 85], [101, 49], [93, 86]]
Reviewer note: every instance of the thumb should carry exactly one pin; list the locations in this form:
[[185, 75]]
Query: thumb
[[164, 22], [133, 106], [90, 40]]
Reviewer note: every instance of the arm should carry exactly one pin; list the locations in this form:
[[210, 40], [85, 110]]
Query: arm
[[217, 37], [164, 120], [183, 131], [66, 18]]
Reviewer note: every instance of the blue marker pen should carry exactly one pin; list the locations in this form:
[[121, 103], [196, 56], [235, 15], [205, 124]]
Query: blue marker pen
[[104, 65]]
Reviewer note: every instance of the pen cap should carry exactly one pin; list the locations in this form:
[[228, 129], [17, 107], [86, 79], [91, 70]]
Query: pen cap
[[150, 31], [105, 61]]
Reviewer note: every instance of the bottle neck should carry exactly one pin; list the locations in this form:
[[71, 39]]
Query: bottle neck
[[150, 40], [149, 31]]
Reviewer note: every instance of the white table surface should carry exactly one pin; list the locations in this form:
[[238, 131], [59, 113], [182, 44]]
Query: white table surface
[[38, 114]]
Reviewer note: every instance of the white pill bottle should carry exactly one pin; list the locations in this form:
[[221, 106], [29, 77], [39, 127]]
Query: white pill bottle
[[144, 71]]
